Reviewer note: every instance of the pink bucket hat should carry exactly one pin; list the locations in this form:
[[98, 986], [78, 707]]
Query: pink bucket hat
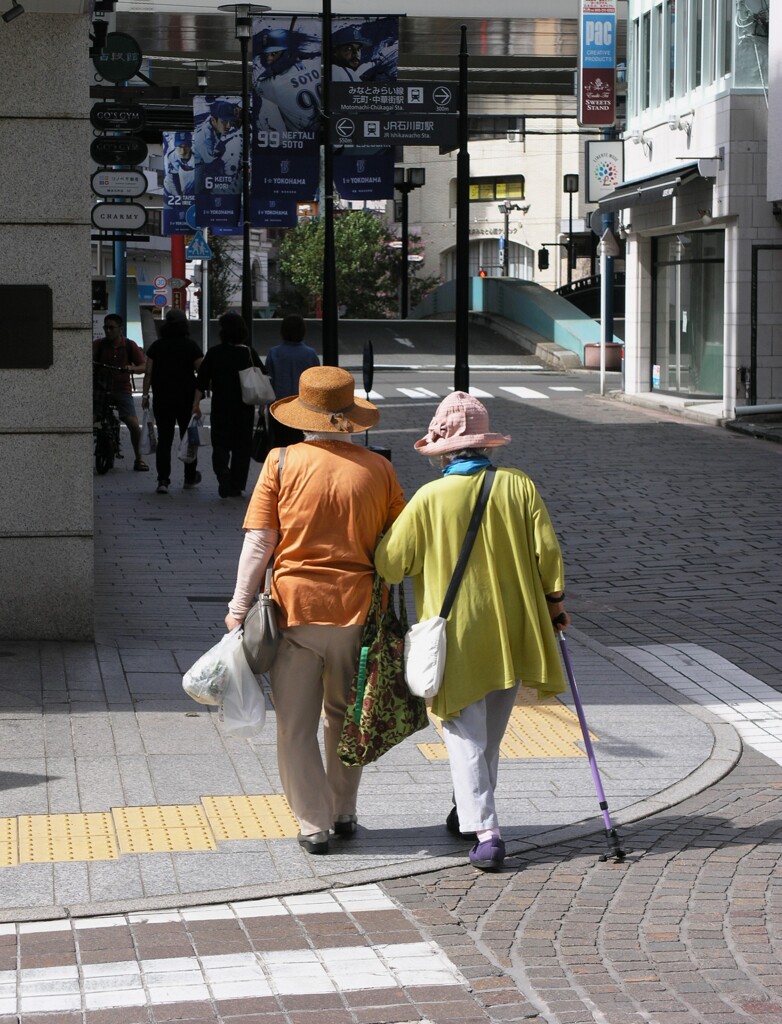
[[461, 421]]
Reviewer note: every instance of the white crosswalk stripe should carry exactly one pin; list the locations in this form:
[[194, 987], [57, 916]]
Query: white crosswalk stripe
[[253, 974], [752, 707], [418, 393], [521, 392]]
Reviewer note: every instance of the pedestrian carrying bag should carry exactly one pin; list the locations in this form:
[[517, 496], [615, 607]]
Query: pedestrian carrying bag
[[425, 648], [381, 710], [256, 386]]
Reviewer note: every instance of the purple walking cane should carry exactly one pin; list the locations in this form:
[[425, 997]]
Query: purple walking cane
[[615, 849]]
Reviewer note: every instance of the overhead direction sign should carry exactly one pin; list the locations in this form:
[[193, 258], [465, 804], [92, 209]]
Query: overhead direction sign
[[385, 129], [198, 248], [395, 97]]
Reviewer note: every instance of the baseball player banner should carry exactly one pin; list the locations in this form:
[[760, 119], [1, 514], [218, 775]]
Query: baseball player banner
[[287, 87], [178, 181], [217, 163], [364, 50], [285, 119]]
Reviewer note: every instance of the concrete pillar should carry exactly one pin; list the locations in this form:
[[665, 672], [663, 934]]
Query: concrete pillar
[[46, 517]]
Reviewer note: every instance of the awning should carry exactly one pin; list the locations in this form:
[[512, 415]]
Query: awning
[[649, 190]]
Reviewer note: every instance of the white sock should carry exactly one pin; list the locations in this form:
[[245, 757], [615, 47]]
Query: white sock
[[487, 834]]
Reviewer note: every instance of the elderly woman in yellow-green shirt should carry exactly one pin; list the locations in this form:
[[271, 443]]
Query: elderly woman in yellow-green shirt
[[501, 629]]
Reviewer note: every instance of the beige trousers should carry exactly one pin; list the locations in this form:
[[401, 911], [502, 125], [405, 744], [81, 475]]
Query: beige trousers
[[313, 669]]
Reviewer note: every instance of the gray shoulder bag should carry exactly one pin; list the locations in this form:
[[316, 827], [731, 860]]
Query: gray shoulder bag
[[261, 634]]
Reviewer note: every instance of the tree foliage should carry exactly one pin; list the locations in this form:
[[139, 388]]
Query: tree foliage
[[221, 277], [367, 264]]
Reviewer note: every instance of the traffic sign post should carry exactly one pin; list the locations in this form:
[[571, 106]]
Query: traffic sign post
[[198, 248]]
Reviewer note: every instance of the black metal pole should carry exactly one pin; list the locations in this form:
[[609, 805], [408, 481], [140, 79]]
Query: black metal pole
[[247, 293], [505, 244], [461, 353], [330, 317], [570, 242], [404, 289]]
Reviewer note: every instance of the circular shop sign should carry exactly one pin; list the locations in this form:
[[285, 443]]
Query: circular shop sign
[[120, 58], [118, 149], [119, 184], [177, 282], [119, 216]]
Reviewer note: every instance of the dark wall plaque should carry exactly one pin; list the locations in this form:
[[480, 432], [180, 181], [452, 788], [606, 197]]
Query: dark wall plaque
[[26, 327]]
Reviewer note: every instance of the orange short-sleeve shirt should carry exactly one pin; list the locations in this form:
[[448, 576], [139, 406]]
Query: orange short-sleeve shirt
[[331, 504]]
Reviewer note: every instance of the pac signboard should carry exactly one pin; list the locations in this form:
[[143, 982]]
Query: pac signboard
[[597, 63]]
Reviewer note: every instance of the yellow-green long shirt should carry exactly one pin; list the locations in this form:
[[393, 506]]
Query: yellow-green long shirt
[[499, 629]]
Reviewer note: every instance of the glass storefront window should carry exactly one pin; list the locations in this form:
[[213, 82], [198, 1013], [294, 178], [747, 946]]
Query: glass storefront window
[[688, 330]]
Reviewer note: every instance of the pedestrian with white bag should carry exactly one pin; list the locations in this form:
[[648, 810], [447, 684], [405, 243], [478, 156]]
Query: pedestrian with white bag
[[498, 630], [232, 418]]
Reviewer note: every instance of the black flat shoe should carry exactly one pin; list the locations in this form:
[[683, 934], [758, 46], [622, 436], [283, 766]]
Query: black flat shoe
[[452, 824], [345, 825], [316, 842]]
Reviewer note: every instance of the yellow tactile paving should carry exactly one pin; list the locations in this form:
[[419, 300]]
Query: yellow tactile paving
[[536, 729], [9, 842], [66, 837], [250, 817], [170, 829]]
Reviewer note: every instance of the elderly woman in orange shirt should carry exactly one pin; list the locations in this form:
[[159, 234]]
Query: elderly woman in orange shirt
[[321, 515]]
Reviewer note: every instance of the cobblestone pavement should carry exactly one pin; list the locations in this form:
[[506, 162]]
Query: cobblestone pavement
[[686, 931]]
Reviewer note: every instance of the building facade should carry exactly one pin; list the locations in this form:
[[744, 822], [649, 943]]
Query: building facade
[[699, 206]]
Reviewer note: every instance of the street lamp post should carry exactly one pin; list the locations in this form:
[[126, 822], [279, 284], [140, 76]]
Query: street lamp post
[[505, 208], [405, 182], [570, 185], [243, 26]]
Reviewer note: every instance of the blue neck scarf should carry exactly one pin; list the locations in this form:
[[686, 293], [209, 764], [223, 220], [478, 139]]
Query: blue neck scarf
[[466, 467]]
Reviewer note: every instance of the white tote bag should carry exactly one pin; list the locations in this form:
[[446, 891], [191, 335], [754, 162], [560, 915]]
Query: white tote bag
[[425, 641], [256, 386], [425, 656]]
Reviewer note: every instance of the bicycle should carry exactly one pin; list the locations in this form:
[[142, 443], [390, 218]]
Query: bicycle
[[105, 421]]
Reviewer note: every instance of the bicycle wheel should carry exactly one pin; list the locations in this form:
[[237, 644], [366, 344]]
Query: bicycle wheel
[[104, 454]]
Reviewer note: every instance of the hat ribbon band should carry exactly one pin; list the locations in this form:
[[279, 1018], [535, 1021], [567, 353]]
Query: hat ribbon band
[[336, 418]]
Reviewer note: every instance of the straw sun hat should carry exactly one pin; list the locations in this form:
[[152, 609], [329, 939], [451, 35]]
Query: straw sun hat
[[326, 402], [461, 421]]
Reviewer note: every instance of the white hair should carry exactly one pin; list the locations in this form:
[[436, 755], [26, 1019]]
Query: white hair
[[327, 435]]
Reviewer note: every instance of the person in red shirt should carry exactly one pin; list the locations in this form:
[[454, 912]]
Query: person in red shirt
[[125, 358]]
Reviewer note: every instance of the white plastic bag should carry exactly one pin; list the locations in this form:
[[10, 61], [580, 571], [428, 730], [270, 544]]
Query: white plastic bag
[[425, 656], [207, 679], [243, 711], [191, 440], [148, 443]]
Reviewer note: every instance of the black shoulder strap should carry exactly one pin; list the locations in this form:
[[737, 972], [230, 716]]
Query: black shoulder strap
[[469, 540]]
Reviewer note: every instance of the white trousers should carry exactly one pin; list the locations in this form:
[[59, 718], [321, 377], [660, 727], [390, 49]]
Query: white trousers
[[313, 670], [473, 743]]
